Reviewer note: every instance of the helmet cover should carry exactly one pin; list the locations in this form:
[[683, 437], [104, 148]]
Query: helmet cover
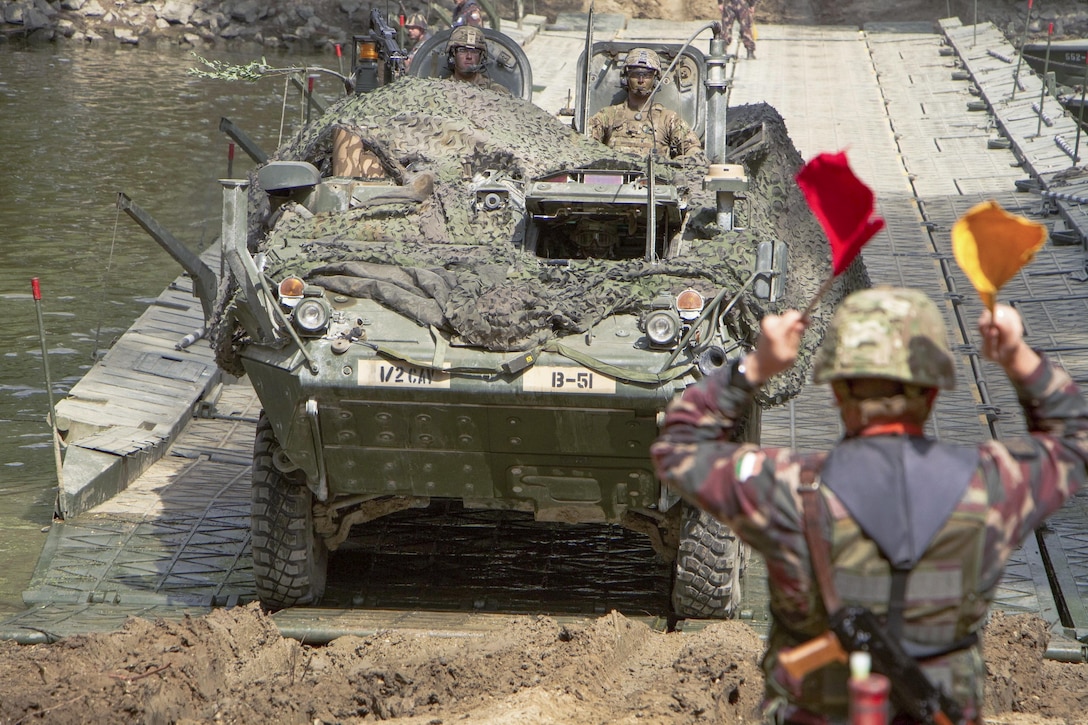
[[642, 58], [467, 36], [887, 332]]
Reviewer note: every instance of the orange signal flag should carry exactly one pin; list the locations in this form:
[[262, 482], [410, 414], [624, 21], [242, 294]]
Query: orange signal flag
[[991, 246]]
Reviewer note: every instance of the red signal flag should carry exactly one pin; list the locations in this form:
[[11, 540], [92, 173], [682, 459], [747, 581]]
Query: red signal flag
[[842, 204]]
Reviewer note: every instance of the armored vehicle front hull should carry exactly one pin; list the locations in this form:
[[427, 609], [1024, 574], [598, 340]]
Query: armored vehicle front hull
[[561, 439], [498, 317]]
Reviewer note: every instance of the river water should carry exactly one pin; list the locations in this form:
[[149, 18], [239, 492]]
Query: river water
[[80, 124]]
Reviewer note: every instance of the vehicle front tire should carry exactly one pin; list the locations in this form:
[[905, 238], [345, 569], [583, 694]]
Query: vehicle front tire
[[709, 564], [290, 561]]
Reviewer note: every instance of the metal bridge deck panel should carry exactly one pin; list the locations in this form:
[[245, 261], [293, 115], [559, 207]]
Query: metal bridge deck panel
[[176, 540]]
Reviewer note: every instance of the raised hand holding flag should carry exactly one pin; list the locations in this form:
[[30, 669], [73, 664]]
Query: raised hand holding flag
[[844, 207], [992, 245]]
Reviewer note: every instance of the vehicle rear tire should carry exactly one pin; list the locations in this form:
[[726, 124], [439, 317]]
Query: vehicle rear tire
[[709, 565], [290, 561]]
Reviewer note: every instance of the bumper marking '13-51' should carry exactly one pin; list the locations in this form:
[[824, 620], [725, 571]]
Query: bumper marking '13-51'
[[563, 379]]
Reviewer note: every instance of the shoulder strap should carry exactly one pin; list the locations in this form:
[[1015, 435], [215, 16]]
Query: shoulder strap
[[819, 550]]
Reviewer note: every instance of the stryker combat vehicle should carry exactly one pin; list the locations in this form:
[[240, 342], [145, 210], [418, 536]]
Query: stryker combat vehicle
[[441, 292]]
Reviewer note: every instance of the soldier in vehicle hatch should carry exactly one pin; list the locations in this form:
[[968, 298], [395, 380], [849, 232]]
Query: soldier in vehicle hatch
[[914, 530], [418, 33], [466, 54], [631, 126]]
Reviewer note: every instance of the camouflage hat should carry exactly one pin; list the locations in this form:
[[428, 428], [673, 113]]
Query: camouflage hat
[[467, 36], [887, 332], [642, 58], [416, 21]]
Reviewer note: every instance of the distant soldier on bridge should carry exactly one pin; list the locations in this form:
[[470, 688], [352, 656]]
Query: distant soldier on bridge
[[743, 12], [467, 12]]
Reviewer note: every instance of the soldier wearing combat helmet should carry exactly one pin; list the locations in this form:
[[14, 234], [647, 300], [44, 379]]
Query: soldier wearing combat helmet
[[633, 125], [418, 33], [915, 530], [466, 53]]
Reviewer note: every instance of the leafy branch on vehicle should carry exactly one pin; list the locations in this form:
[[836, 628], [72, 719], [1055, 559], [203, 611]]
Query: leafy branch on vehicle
[[252, 71]]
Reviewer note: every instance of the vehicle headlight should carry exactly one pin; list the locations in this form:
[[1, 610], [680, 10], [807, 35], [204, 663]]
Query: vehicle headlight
[[312, 315], [662, 327]]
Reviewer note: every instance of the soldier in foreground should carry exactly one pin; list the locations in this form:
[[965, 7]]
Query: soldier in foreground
[[466, 53], [631, 126], [915, 531]]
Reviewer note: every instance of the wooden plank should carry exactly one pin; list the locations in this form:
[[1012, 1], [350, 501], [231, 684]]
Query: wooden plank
[[137, 339], [126, 398], [101, 415], [183, 318], [149, 368], [123, 378]]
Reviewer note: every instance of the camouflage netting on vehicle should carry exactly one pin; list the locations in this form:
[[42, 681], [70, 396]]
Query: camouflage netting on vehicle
[[426, 251], [777, 209]]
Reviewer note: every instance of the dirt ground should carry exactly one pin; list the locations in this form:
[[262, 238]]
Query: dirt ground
[[233, 666]]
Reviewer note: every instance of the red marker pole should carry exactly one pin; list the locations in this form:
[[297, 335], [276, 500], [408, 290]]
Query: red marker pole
[[1046, 70], [37, 290], [1080, 112], [230, 160], [340, 58], [1023, 39]]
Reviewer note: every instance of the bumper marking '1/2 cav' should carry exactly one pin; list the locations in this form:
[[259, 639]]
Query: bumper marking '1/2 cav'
[[563, 379], [385, 373]]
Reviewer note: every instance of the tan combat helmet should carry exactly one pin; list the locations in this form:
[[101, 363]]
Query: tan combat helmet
[[642, 58], [417, 21], [467, 36], [887, 332]]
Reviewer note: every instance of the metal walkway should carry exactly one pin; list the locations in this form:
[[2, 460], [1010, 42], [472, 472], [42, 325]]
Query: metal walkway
[[931, 131]]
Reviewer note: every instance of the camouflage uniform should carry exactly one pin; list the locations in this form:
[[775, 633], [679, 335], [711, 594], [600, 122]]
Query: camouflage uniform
[[743, 12], [419, 22], [482, 80], [471, 37], [950, 516], [621, 128]]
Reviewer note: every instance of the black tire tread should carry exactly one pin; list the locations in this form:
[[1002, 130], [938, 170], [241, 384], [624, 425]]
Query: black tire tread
[[289, 559], [709, 564]]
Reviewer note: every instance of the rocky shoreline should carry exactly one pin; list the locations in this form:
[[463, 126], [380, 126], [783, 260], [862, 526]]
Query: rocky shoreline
[[318, 24], [321, 24]]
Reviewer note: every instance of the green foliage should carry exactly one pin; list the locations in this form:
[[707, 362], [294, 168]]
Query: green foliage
[[252, 71]]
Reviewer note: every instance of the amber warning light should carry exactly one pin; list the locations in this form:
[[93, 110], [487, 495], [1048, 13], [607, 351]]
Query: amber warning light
[[368, 51]]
